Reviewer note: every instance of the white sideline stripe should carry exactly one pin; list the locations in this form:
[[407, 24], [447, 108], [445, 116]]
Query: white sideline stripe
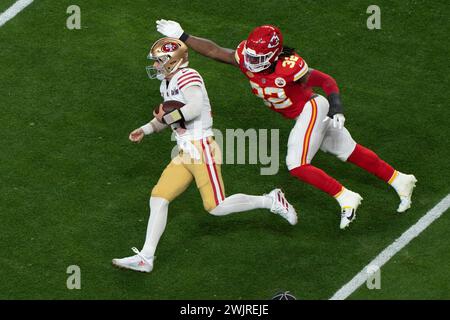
[[12, 11], [395, 247]]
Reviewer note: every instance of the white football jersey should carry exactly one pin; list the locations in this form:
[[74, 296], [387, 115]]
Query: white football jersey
[[201, 126]]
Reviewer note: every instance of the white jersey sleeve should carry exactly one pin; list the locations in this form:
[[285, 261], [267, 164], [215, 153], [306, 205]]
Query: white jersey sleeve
[[189, 77], [194, 102]]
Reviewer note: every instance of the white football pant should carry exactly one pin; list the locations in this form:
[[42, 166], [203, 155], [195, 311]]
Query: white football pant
[[311, 132]]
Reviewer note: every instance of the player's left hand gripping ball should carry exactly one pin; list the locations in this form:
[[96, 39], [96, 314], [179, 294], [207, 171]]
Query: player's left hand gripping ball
[[338, 121]]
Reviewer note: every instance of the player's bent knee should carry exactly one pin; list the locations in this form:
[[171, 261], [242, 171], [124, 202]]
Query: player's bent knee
[[220, 210], [158, 192], [292, 164], [299, 171], [305, 173], [342, 152], [344, 155]]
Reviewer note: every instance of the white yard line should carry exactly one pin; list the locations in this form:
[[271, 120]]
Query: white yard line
[[395, 247], [12, 11]]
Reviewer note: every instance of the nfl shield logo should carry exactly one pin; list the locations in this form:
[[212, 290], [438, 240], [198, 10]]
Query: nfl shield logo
[[280, 82]]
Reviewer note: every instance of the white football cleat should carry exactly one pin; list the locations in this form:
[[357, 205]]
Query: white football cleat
[[282, 207], [347, 216], [137, 262], [349, 202], [404, 185]]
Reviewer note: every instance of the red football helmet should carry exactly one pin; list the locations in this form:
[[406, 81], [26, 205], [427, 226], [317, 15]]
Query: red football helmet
[[262, 48]]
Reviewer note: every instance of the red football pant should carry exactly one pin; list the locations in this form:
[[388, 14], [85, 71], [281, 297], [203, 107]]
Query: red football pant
[[361, 156], [318, 178], [369, 161]]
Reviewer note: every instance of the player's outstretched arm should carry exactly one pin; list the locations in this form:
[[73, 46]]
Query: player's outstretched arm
[[211, 50], [205, 47]]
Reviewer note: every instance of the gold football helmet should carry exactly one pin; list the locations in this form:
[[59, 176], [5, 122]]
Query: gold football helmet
[[168, 55]]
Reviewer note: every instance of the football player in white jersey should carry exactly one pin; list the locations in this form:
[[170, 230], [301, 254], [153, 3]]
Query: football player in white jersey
[[199, 155]]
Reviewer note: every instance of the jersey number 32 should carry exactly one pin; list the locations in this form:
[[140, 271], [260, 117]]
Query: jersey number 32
[[273, 97]]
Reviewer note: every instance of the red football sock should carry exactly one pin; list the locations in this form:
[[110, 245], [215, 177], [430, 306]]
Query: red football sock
[[316, 177], [369, 161]]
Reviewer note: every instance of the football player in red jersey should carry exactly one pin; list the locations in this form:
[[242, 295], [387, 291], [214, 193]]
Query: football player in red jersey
[[280, 77]]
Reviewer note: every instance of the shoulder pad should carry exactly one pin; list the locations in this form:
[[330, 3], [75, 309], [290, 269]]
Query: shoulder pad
[[188, 77], [188, 70], [292, 68]]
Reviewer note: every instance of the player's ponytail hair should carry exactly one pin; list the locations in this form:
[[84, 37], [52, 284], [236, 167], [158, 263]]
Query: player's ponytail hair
[[286, 52]]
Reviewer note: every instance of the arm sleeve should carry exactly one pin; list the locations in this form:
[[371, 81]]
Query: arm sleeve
[[329, 86], [193, 107], [322, 80], [157, 126]]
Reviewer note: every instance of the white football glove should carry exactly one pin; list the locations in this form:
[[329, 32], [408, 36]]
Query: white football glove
[[338, 121], [169, 28]]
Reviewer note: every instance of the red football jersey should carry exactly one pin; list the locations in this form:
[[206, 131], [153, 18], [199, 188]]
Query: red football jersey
[[279, 90]]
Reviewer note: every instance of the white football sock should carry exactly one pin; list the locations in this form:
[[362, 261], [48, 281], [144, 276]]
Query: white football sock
[[397, 181], [241, 202], [342, 195], [156, 225], [403, 183], [346, 197]]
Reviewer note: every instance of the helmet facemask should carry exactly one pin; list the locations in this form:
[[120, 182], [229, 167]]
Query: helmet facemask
[[158, 71], [257, 62]]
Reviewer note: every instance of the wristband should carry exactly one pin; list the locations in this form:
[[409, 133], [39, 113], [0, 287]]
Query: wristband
[[148, 128], [173, 117], [335, 104], [184, 37]]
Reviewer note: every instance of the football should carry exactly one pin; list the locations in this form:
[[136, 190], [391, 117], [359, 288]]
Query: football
[[169, 106], [286, 295]]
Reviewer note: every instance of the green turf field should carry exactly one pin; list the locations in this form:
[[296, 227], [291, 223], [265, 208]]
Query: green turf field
[[5, 4], [74, 190]]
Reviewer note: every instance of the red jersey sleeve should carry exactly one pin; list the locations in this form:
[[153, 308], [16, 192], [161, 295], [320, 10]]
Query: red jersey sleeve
[[324, 81], [292, 68]]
